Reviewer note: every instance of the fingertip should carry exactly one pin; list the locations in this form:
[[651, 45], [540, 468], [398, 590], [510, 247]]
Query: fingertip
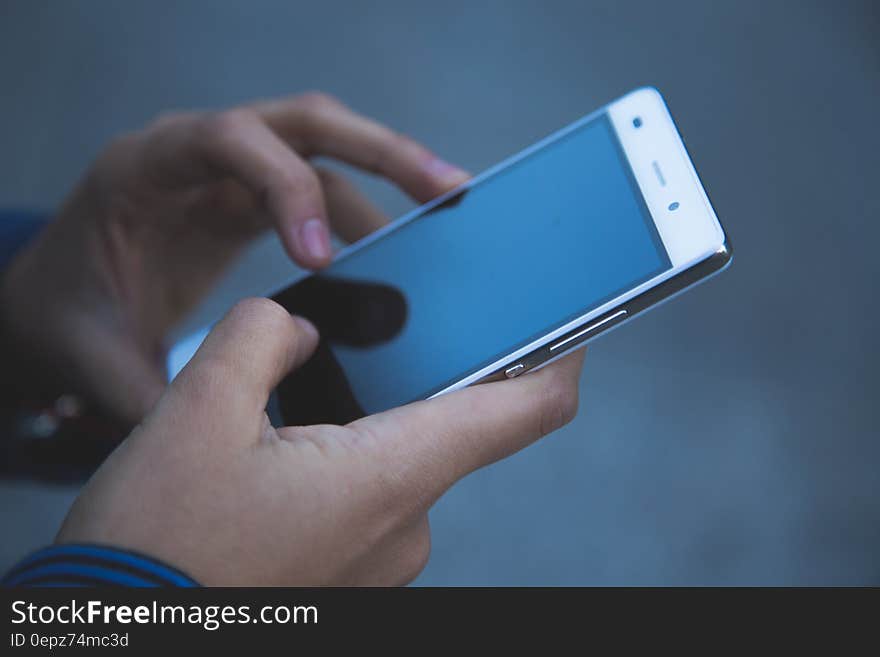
[[308, 243], [306, 340], [445, 175], [306, 327], [315, 239]]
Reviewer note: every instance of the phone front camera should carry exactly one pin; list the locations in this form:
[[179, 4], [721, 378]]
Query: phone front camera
[[637, 122]]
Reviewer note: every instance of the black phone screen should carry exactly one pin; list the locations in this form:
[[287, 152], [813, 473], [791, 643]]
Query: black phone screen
[[506, 260]]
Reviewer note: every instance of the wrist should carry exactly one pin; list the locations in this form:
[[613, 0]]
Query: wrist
[[45, 432]]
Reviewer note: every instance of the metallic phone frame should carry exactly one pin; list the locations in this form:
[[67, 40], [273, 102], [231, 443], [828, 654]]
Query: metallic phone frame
[[542, 352]]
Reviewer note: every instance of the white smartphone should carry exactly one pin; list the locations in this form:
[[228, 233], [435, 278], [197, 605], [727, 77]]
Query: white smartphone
[[526, 262]]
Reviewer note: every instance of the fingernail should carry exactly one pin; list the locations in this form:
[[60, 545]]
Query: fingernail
[[315, 239], [445, 171]]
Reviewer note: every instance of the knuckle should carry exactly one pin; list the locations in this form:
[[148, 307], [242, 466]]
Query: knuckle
[[222, 125], [302, 180], [263, 311], [392, 145], [395, 153], [300, 183], [318, 101]]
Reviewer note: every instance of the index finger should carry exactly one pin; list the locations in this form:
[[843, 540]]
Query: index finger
[[192, 149], [317, 124]]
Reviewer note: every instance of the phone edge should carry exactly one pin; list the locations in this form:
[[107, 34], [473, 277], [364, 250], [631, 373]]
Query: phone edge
[[611, 319]]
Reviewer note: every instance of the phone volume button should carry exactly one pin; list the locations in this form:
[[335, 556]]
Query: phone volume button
[[582, 335], [516, 370]]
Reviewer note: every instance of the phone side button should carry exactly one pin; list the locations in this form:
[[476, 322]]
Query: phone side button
[[583, 334], [516, 370]]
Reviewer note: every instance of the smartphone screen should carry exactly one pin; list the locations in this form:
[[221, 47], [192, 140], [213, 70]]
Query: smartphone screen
[[509, 258]]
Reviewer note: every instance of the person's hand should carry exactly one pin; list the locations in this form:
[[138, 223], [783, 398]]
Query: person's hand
[[160, 215], [207, 484]]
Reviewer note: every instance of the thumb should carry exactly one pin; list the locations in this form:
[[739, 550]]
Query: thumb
[[432, 444], [244, 358]]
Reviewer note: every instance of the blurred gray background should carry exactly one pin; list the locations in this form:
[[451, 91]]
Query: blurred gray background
[[729, 437]]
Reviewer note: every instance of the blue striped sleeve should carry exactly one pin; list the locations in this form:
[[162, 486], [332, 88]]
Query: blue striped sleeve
[[93, 565]]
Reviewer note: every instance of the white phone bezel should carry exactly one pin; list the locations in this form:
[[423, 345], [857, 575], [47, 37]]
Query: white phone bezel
[[666, 175]]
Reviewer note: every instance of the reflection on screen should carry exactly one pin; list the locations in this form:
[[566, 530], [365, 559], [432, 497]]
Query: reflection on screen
[[518, 254]]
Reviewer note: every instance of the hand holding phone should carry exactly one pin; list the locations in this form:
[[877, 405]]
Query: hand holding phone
[[208, 485]]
